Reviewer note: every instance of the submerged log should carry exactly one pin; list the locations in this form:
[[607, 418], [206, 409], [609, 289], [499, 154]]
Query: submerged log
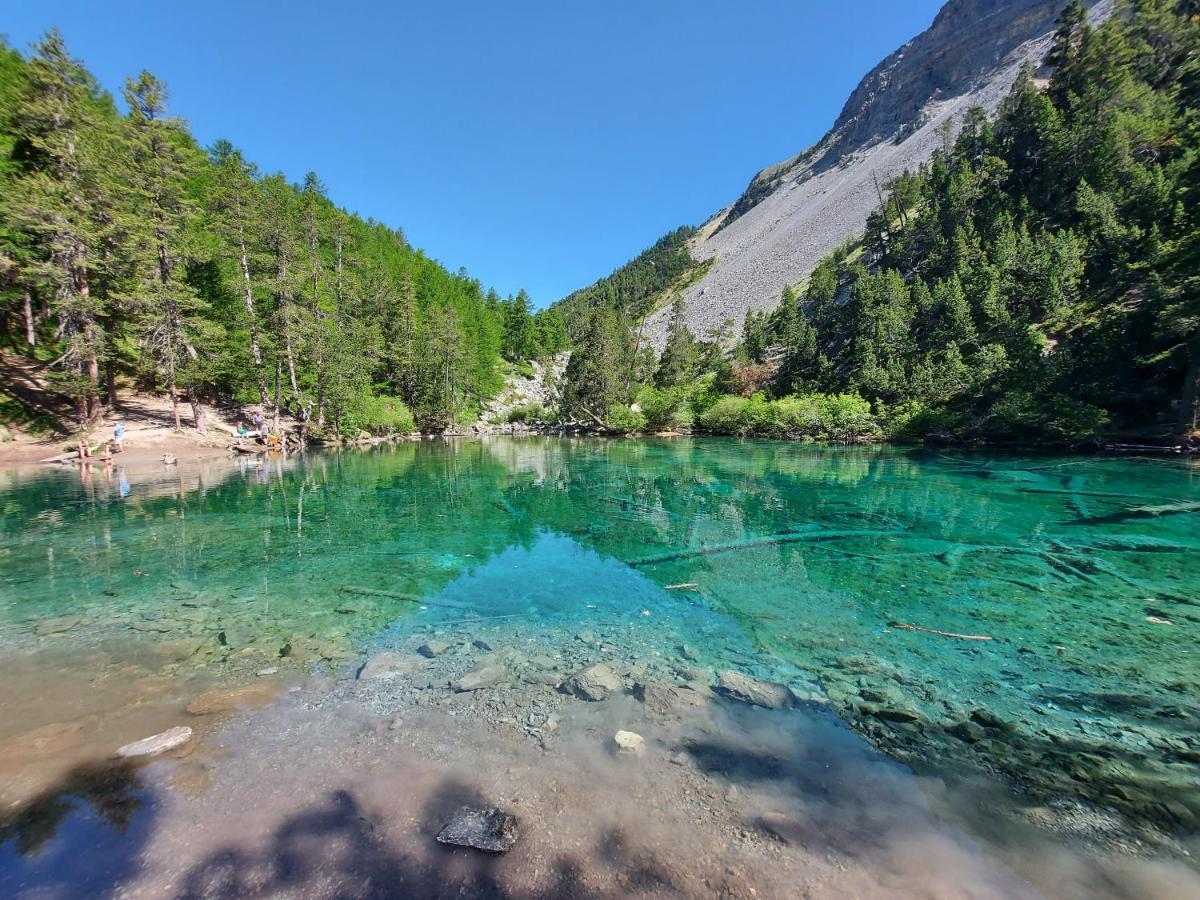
[[787, 537], [949, 634]]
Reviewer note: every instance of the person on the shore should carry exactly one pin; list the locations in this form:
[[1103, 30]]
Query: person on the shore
[[260, 423], [118, 437]]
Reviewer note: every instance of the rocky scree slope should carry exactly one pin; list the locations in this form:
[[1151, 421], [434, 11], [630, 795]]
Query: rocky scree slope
[[797, 211]]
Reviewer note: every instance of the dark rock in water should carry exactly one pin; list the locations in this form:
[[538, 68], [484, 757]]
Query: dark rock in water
[[968, 732], [492, 830], [900, 714], [759, 693], [433, 648], [988, 719]]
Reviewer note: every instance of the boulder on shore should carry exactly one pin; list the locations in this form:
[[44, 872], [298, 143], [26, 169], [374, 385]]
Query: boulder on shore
[[596, 682], [767, 694], [491, 830], [629, 743]]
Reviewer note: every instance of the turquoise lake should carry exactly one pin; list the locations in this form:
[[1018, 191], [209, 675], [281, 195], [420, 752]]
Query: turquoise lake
[[790, 562]]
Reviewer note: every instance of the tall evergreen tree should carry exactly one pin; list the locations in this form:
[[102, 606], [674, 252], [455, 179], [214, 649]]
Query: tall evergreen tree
[[169, 314], [677, 364], [60, 200]]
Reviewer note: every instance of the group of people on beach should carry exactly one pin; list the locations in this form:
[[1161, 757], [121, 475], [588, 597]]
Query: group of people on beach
[[258, 431], [107, 448]]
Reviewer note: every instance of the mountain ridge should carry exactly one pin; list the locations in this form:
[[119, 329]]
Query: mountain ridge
[[795, 212]]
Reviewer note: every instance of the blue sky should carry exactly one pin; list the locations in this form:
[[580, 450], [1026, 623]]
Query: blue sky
[[538, 144]]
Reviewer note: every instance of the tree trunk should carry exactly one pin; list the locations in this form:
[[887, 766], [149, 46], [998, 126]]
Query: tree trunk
[[171, 378], [198, 417], [255, 349], [1190, 397], [110, 383], [278, 378], [318, 334], [27, 309]]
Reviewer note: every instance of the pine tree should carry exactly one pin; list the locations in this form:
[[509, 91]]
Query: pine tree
[[57, 200], [169, 313], [234, 205], [598, 373], [677, 364]]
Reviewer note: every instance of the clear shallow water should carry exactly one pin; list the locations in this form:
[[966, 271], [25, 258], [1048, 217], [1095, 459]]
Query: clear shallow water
[[801, 559]]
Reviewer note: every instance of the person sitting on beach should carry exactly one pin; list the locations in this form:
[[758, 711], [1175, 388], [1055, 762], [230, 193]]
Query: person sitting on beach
[[118, 437], [242, 430]]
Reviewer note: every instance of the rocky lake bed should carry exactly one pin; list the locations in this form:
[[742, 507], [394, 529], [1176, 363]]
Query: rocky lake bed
[[585, 708]]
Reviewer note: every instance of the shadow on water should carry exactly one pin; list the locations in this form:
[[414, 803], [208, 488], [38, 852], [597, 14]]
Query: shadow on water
[[336, 848], [83, 837]]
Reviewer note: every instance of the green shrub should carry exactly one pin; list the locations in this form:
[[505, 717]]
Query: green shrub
[[622, 419], [914, 421], [1054, 417], [705, 392], [836, 417], [665, 409], [799, 416], [529, 412], [726, 416], [378, 415], [846, 417]]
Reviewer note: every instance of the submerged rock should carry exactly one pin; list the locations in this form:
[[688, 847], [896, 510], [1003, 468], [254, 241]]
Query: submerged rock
[[56, 626], [596, 682], [661, 698], [482, 677], [223, 700], [629, 743], [385, 664], [767, 694], [491, 830], [430, 649], [157, 743]]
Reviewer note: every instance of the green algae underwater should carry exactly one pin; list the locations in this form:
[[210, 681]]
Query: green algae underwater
[[1052, 604]]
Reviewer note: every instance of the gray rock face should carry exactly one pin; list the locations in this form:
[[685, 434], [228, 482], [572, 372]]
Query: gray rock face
[[798, 211], [157, 743], [491, 830], [767, 694], [482, 677], [596, 682]]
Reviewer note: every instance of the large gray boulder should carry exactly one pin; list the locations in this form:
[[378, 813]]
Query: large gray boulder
[[767, 694], [596, 682]]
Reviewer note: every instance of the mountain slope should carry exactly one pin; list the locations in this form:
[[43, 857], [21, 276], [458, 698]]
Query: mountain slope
[[794, 213]]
